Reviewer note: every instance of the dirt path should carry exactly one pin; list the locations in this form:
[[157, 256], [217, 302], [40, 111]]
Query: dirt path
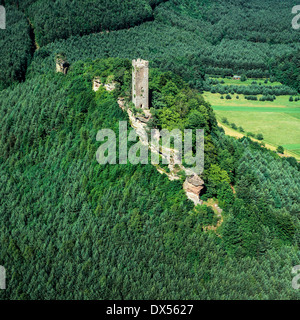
[[218, 211]]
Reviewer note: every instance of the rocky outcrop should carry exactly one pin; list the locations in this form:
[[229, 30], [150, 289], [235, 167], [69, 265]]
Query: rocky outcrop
[[144, 117], [193, 184], [121, 103], [96, 84], [62, 65], [110, 86], [194, 197]]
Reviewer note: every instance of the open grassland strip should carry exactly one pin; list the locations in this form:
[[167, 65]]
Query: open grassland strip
[[233, 133]]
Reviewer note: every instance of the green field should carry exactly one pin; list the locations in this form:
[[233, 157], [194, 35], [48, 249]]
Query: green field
[[278, 121]]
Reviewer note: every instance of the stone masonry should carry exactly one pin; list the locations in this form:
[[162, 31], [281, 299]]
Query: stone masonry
[[62, 65], [140, 83]]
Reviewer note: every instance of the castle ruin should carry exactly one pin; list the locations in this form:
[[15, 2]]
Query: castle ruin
[[140, 83], [96, 83], [61, 64], [109, 86]]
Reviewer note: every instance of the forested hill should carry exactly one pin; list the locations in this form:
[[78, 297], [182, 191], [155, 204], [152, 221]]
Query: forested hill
[[73, 229], [188, 37], [54, 20]]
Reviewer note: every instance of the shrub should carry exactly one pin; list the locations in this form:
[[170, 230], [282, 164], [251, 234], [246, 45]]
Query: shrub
[[254, 98], [225, 120], [267, 98], [280, 149], [243, 78], [233, 126], [250, 134], [259, 136]]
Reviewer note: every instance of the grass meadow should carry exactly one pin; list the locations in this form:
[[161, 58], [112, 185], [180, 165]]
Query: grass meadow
[[278, 121]]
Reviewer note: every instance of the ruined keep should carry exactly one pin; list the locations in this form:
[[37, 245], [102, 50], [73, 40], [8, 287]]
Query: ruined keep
[[61, 64], [140, 83]]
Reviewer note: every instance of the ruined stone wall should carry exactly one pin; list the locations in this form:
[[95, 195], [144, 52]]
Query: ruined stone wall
[[59, 66], [96, 83], [62, 66], [140, 83]]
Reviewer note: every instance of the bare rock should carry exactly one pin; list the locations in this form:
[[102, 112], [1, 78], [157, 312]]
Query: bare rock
[[96, 84], [195, 180], [62, 66], [188, 187], [143, 119], [193, 197], [193, 184], [110, 86], [121, 103]]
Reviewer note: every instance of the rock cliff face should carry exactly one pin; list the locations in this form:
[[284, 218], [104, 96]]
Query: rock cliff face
[[193, 184], [96, 84]]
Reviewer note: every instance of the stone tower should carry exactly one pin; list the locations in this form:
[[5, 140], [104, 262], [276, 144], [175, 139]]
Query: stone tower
[[140, 83]]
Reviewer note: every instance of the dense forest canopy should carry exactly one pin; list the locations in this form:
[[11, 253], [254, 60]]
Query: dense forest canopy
[[127, 232], [286, 69], [256, 21], [73, 229], [54, 20], [186, 37], [16, 48]]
